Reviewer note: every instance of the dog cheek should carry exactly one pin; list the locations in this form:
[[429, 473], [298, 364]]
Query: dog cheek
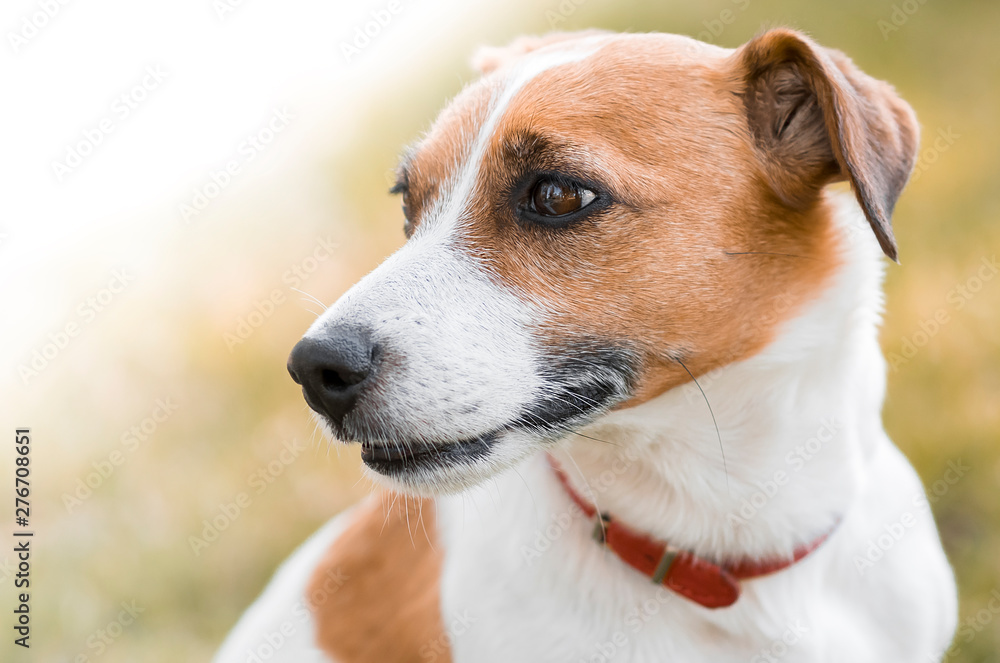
[[457, 354]]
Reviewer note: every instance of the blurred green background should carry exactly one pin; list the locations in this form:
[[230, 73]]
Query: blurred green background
[[233, 408]]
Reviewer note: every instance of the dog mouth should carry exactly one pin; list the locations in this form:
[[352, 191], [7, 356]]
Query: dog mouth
[[580, 383], [395, 460]]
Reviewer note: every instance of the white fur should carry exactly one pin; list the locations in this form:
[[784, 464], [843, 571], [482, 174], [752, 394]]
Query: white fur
[[527, 582], [520, 564], [521, 561]]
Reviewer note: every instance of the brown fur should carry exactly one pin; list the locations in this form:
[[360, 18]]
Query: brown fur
[[388, 608], [817, 118], [719, 230]]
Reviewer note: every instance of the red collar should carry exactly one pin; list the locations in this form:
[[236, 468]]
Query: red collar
[[695, 578]]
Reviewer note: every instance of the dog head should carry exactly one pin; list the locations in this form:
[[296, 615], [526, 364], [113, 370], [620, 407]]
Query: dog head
[[597, 220]]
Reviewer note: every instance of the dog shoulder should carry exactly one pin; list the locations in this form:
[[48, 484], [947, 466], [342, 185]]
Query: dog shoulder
[[279, 626], [363, 588], [375, 593]]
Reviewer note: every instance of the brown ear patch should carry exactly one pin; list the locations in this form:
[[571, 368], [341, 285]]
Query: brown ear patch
[[787, 124], [388, 608], [815, 118]]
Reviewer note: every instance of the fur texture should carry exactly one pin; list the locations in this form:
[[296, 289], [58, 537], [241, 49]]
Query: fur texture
[[711, 251]]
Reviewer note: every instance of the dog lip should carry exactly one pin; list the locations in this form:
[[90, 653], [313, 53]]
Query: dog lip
[[392, 453], [395, 459]]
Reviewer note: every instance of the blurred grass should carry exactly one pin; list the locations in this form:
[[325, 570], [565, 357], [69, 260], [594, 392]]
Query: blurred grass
[[129, 540]]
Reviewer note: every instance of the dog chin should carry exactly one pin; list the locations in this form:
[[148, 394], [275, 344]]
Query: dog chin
[[429, 469], [426, 468]]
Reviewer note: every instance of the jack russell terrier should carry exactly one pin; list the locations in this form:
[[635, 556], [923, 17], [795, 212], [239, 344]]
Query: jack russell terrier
[[623, 380]]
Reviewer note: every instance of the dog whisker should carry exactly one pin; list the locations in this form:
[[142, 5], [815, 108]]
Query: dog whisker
[[409, 528], [308, 297], [388, 512], [423, 525], [528, 488], [591, 495], [725, 469]]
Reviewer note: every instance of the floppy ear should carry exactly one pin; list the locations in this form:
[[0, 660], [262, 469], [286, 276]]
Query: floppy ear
[[815, 118], [489, 58]]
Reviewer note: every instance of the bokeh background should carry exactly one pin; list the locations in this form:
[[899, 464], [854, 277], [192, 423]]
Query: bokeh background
[[171, 398]]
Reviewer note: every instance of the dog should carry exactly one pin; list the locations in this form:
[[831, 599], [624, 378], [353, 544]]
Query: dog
[[623, 381]]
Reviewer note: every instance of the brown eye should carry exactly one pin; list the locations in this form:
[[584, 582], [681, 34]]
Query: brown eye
[[554, 198]]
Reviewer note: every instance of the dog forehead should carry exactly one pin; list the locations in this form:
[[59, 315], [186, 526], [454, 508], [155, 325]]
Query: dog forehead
[[592, 90], [636, 101], [476, 112], [645, 70]]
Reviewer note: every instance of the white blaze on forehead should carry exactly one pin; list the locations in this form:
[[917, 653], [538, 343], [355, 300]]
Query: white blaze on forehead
[[443, 217]]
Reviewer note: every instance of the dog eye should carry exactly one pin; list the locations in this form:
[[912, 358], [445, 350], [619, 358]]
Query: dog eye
[[553, 198]]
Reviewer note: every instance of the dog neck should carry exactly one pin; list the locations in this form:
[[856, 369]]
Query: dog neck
[[795, 424]]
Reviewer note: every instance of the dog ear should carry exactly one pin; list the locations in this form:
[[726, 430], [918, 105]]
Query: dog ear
[[490, 58], [815, 118]]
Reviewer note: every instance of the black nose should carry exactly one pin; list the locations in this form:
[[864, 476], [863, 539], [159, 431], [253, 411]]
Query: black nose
[[332, 369]]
